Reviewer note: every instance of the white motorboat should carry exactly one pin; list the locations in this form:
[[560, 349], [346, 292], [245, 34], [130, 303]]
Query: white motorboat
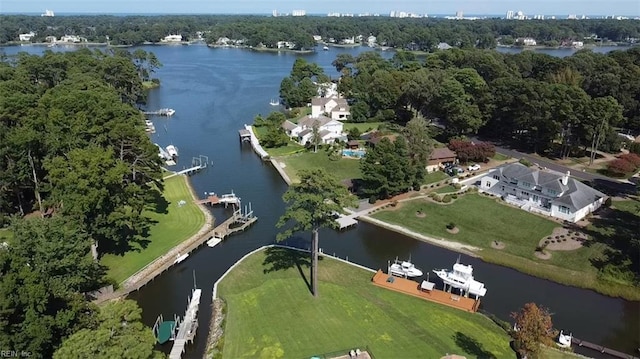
[[461, 277], [404, 269], [325, 48], [213, 241], [162, 153], [180, 258], [564, 341], [172, 151], [274, 102], [166, 112]]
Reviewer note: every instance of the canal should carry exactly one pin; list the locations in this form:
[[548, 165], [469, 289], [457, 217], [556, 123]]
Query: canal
[[215, 92]]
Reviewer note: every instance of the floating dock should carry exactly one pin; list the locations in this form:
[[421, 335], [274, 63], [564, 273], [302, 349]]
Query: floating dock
[[413, 288], [345, 221], [187, 327], [239, 221], [601, 349]]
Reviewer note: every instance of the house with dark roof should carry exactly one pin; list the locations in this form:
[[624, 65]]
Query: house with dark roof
[[543, 191], [334, 107], [439, 157]]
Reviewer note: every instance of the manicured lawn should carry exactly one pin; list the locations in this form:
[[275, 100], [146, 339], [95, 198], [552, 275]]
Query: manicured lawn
[[446, 189], [548, 353], [289, 149], [480, 221], [344, 168], [271, 314], [362, 126], [500, 157], [174, 224], [434, 177]]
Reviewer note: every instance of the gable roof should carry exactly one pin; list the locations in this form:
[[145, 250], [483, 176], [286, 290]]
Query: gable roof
[[308, 121], [288, 125], [304, 132], [440, 153], [574, 194]]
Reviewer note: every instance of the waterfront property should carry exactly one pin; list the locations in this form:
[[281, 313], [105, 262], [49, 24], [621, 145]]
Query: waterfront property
[[329, 129], [268, 299], [343, 168], [173, 224], [334, 107], [543, 191]]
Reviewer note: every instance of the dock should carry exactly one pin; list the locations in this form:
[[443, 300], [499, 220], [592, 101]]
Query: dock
[[161, 112], [601, 349], [187, 327], [413, 288], [346, 221], [255, 143], [226, 199], [239, 221]]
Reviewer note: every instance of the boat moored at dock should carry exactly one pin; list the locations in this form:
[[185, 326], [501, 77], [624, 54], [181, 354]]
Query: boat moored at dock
[[461, 277], [404, 269], [172, 151]]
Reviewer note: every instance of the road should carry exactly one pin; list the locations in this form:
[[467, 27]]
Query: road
[[604, 183]]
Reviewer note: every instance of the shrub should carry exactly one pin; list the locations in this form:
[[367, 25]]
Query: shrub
[[451, 225], [620, 167], [632, 158], [446, 199], [457, 185], [607, 202], [471, 151], [373, 199], [394, 203], [454, 196], [634, 147]]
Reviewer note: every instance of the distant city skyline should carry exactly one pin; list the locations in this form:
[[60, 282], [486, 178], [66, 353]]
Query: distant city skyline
[[383, 7]]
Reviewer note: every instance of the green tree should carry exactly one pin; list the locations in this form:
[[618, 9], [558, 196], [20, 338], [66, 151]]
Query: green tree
[[533, 327], [118, 334], [315, 137], [311, 205], [42, 275], [419, 145], [385, 169]]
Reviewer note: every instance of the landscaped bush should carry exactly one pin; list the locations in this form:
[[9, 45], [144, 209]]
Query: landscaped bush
[[607, 202], [373, 199], [454, 196], [446, 199], [526, 162], [451, 225], [620, 167], [472, 151], [632, 158]]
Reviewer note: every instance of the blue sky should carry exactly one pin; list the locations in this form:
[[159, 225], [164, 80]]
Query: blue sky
[[530, 7]]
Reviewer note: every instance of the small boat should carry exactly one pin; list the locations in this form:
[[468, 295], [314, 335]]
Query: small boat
[[404, 269], [325, 48], [166, 112], [274, 102], [564, 341], [213, 241], [172, 151], [180, 258]]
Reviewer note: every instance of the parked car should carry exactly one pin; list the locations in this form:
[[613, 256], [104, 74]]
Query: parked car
[[473, 167]]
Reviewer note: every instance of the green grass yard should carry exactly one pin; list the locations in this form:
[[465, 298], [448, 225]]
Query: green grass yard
[[446, 189], [271, 314], [434, 177], [362, 126], [5, 235], [482, 220], [343, 168], [172, 226]]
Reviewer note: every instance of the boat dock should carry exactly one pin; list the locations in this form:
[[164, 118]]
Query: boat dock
[[346, 221], [601, 349], [161, 112], [247, 135], [239, 221], [187, 326], [226, 199], [413, 288]]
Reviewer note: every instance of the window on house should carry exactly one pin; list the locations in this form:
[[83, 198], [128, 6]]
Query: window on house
[[564, 209], [552, 192], [524, 193], [536, 198], [496, 177], [487, 184], [526, 184]]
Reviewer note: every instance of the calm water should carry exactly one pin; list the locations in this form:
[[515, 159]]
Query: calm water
[[215, 92]]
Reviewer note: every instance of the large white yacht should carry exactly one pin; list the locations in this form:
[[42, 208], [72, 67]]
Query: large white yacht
[[461, 277], [404, 269]]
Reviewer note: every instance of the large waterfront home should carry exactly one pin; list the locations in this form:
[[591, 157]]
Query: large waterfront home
[[171, 38], [542, 191], [335, 107], [329, 130]]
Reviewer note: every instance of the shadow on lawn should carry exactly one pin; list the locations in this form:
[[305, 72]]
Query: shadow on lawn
[[471, 346], [277, 259]]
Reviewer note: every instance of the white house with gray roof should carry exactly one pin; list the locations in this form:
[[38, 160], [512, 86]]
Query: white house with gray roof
[[543, 191], [335, 107], [329, 129]]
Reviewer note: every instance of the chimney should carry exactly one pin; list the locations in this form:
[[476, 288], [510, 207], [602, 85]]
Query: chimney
[[565, 178]]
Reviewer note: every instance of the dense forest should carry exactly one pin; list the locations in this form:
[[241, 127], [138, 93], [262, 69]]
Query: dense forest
[[76, 172], [415, 34], [530, 99]]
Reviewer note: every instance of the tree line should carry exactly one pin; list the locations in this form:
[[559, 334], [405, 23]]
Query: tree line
[[76, 161], [415, 34]]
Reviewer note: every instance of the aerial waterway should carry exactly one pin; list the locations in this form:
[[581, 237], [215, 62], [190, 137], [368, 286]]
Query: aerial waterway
[[215, 92]]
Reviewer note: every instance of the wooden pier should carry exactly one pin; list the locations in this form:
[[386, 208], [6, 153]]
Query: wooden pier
[[601, 349], [187, 326], [407, 286], [239, 221]]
